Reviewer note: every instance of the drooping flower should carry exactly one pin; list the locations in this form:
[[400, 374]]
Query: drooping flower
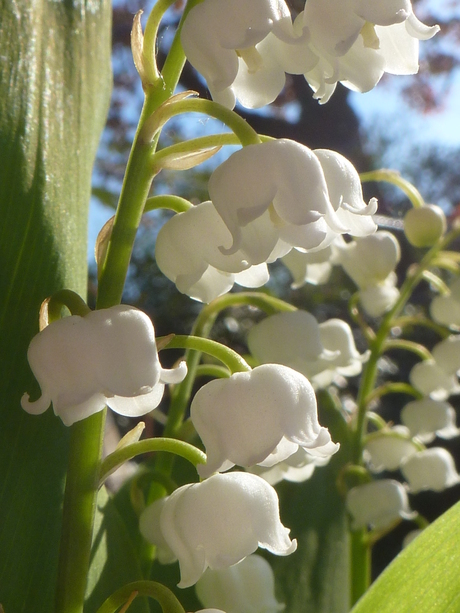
[[432, 380], [370, 262], [218, 522], [318, 351], [431, 469], [357, 42], [297, 468], [446, 309], [248, 586], [258, 417], [378, 504], [428, 418], [108, 357], [386, 450], [447, 354], [232, 43], [280, 193], [187, 252], [314, 267]]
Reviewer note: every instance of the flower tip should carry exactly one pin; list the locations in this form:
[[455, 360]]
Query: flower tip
[[174, 375], [36, 407], [292, 548]]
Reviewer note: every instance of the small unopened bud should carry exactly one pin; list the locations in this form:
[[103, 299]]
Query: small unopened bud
[[424, 225]]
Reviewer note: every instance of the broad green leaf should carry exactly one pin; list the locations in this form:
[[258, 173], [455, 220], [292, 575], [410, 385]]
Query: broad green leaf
[[425, 576], [114, 561], [315, 579], [54, 88]]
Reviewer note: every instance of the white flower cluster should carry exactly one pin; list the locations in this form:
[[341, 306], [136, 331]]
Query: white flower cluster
[[243, 49], [266, 199], [263, 417]]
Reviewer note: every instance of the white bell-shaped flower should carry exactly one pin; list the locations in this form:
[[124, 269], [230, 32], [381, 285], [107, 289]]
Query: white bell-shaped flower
[[387, 449], [378, 299], [149, 526], [357, 42], [278, 191], [187, 252], [295, 339], [221, 40], [447, 354], [313, 267], [297, 468], [378, 504], [446, 309], [108, 357], [218, 522], [427, 418], [431, 469], [432, 380], [370, 262], [258, 417], [246, 587], [335, 26]]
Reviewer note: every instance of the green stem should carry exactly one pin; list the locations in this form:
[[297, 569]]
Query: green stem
[[167, 600], [78, 513], [244, 132], [420, 320], [166, 201], [269, 304], [360, 554], [376, 346], [213, 370], [134, 193], [392, 387], [120, 456], [392, 176], [231, 359], [150, 38], [360, 550], [175, 60], [195, 144], [69, 299], [400, 343]]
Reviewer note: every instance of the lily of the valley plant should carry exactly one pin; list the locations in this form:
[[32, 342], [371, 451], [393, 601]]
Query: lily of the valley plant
[[243, 436]]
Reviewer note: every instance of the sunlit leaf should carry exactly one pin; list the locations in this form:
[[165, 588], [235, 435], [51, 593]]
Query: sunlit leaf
[[425, 577], [54, 86]]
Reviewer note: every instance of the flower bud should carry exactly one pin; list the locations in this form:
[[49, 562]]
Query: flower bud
[[424, 226]]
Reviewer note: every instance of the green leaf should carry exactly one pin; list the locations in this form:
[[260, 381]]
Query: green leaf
[[425, 576], [114, 562], [54, 88]]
